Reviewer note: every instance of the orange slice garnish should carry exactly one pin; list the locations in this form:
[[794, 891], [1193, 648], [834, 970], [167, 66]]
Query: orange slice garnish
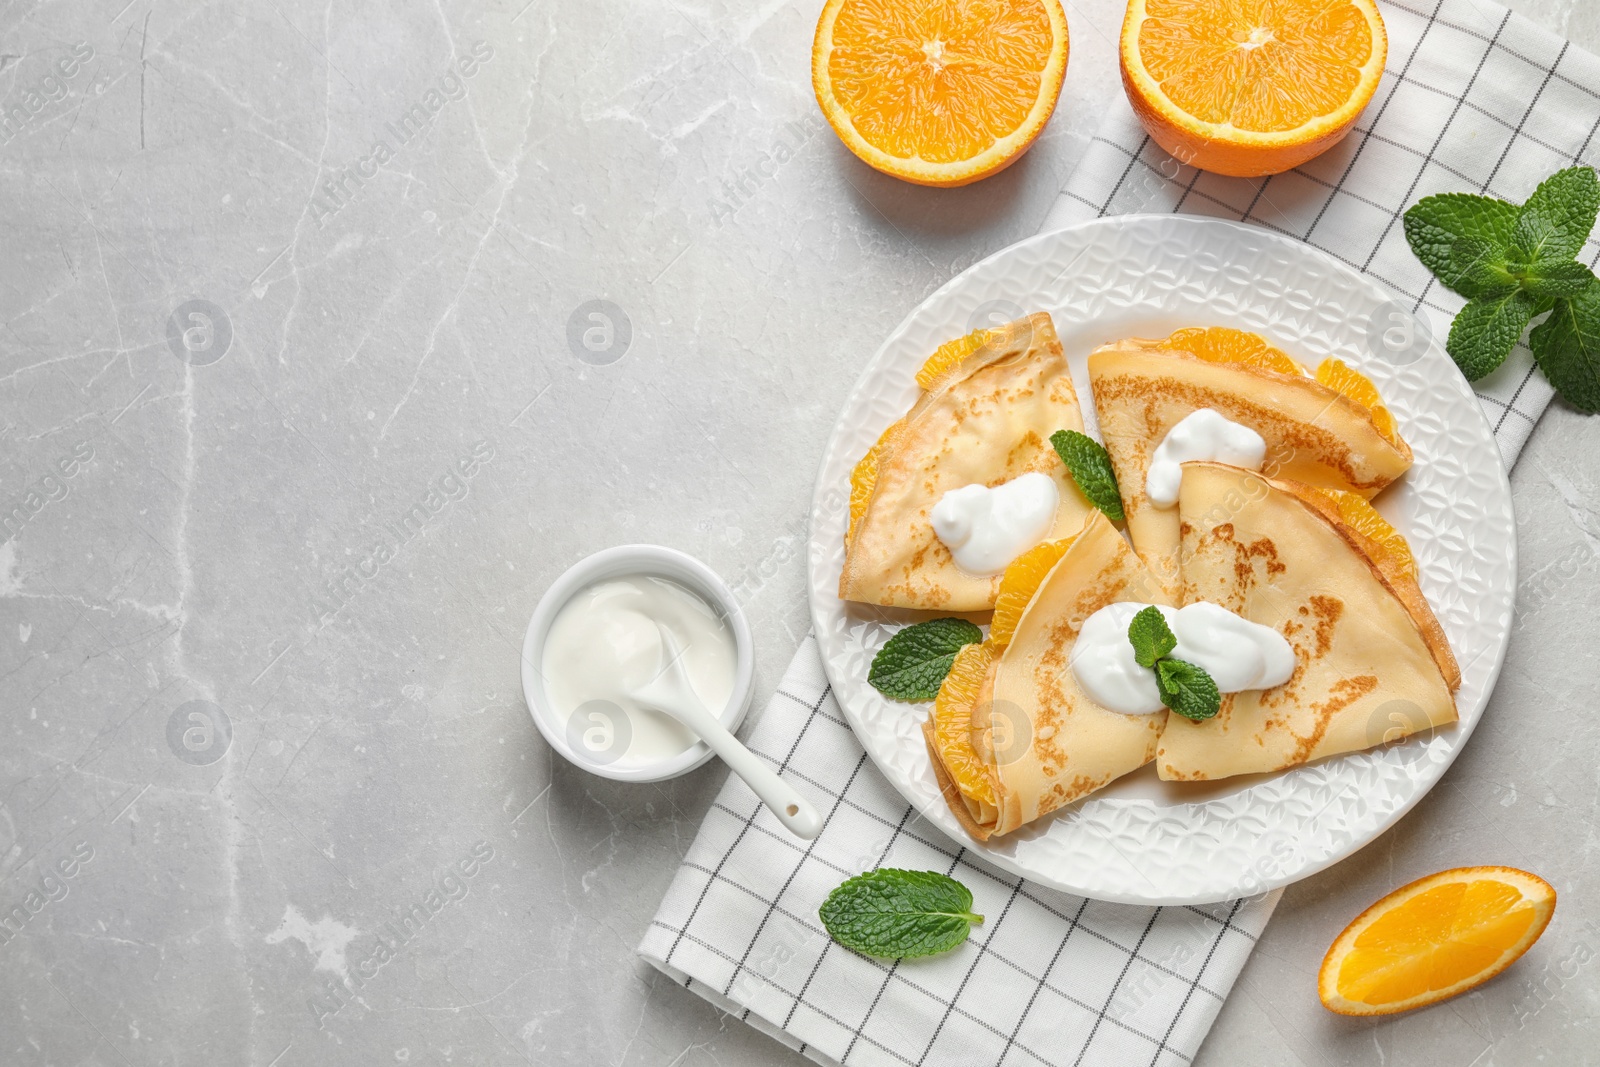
[[952, 722], [1222, 344], [1021, 580], [1437, 937], [949, 354], [940, 93], [864, 477], [1348, 382], [1250, 88], [1379, 539]]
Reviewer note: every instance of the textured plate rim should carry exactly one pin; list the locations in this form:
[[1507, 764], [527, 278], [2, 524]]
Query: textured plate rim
[[819, 600]]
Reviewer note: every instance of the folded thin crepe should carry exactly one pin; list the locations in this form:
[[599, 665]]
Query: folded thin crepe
[[1372, 663], [1012, 736], [1313, 433], [985, 420]]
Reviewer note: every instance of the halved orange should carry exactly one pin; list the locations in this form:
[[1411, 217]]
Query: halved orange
[[1250, 88], [1223, 344], [1346, 381], [952, 722], [939, 93], [1437, 937]]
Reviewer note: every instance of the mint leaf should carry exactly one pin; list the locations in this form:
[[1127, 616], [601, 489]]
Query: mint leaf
[[912, 665], [1485, 270], [1565, 277], [1487, 329], [895, 914], [1090, 468], [1187, 689], [1557, 218], [1151, 636], [1567, 348], [1454, 232]]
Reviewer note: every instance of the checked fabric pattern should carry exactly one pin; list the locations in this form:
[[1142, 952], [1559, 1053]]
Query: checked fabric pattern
[[1474, 99], [1047, 979]]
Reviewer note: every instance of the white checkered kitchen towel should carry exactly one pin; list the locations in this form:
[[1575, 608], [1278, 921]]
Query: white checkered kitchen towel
[[1474, 99]]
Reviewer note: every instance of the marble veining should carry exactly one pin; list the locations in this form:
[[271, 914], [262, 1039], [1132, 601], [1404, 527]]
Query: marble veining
[[331, 335]]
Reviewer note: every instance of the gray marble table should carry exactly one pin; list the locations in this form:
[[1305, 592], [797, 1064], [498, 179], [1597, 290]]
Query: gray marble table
[[294, 436]]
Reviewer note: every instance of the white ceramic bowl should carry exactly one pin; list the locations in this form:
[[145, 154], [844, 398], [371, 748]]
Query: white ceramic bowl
[[620, 562]]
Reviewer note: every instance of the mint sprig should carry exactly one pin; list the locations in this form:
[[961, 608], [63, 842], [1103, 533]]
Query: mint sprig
[[1151, 636], [1090, 467], [914, 662], [1513, 264], [896, 914], [1185, 687], [1567, 348]]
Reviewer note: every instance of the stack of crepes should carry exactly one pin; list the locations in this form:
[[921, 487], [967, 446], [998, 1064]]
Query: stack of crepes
[[1294, 545]]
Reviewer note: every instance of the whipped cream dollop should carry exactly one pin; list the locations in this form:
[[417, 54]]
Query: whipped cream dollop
[[985, 529], [1237, 653], [1201, 435]]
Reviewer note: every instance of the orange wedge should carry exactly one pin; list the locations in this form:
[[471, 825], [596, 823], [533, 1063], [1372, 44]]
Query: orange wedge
[[939, 93], [1021, 580], [1437, 937], [1250, 88], [1222, 344], [952, 722], [864, 477], [1346, 381], [949, 354]]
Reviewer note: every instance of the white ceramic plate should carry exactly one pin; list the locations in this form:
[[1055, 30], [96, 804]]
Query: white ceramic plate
[[1142, 840]]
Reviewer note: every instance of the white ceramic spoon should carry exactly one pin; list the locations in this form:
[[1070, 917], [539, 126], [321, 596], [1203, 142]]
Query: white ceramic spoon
[[671, 694]]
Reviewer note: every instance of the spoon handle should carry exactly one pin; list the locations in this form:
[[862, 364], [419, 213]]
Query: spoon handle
[[793, 810]]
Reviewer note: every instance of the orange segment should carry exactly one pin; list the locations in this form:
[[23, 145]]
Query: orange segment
[[1221, 344], [1021, 580], [864, 477], [1378, 538], [949, 354], [952, 722], [939, 93], [1247, 87], [1346, 381], [1437, 937]]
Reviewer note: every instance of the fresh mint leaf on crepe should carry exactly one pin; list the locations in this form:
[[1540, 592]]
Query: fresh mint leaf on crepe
[[1187, 689], [914, 662], [1151, 636], [896, 914], [1514, 264], [1090, 468]]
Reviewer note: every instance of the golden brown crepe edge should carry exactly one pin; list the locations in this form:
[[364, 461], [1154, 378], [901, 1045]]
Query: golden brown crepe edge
[[1015, 341], [986, 353], [1401, 585], [1153, 346]]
